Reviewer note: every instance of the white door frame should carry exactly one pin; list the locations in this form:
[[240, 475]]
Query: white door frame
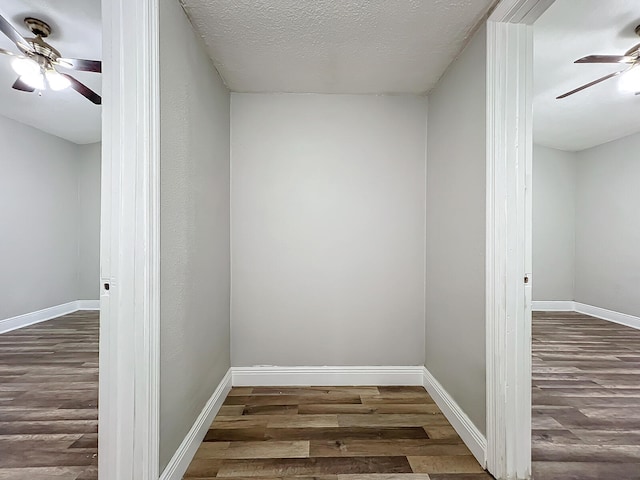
[[508, 302], [130, 235], [130, 260]]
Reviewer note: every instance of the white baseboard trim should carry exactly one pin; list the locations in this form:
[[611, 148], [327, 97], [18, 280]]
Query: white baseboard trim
[[267, 376], [604, 314], [182, 458], [31, 318], [462, 424], [553, 306], [88, 304]]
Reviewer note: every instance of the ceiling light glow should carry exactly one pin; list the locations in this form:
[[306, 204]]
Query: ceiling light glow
[[34, 81], [630, 81], [25, 66], [57, 81]]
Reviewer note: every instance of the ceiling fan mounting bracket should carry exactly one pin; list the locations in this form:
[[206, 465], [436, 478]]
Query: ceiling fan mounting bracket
[[38, 27]]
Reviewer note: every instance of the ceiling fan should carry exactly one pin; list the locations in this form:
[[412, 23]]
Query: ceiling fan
[[630, 76], [37, 63]]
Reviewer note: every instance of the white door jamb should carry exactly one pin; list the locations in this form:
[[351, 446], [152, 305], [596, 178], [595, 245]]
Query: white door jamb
[[508, 315], [129, 256]]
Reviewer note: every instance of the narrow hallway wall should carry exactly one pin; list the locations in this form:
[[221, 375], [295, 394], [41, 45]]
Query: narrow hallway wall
[[194, 237], [456, 230]]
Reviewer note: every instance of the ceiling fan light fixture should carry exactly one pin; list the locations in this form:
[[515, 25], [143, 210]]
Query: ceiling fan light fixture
[[57, 81], [25, 66], [630, 81], [34, 80]]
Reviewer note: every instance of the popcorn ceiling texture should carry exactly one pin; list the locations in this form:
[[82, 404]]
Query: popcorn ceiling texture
[[321, 46]]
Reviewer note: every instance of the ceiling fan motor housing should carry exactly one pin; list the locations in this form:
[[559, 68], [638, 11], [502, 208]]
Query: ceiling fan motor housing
[[43, 49], [36, 47], [38, 27]]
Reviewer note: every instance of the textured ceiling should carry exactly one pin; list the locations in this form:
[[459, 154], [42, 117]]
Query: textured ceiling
[[338, 46], [76, 33], [571, 29]]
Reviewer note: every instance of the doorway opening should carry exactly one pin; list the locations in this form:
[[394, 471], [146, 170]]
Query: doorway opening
[[50, 127], [586, 310]]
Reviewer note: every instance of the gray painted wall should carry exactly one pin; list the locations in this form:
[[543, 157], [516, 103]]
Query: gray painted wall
[[49, 219], [586, 225], [89, 173], [327, 229], [194, 213], [455, 240], [38, 220], [554, 212], [608, 226]]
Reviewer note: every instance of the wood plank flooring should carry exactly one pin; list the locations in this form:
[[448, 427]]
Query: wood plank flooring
[[586, 398], [333, 433], [49, 400], [586, 414]]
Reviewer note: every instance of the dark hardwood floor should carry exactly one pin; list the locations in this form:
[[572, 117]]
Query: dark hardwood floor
[[49, 400], [586, 398], [586, 414], [333, 433]]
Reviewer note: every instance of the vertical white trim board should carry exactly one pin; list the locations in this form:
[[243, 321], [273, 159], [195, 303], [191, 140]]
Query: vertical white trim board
[[553, 305], [31, 318], [508, 318], [268, 376], [610, 315], [471, 436], [128, 438], [509, 77], [182, 458]]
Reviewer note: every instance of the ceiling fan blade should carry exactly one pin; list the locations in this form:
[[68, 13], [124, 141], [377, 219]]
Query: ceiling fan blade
[[83, 90], [14, 36], [6, 52], [81, 65], [23, 87], [590, 84], [607, 59]]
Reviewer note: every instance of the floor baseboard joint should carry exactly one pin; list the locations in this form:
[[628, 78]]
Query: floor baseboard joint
[[601, 313], [31, 318]]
